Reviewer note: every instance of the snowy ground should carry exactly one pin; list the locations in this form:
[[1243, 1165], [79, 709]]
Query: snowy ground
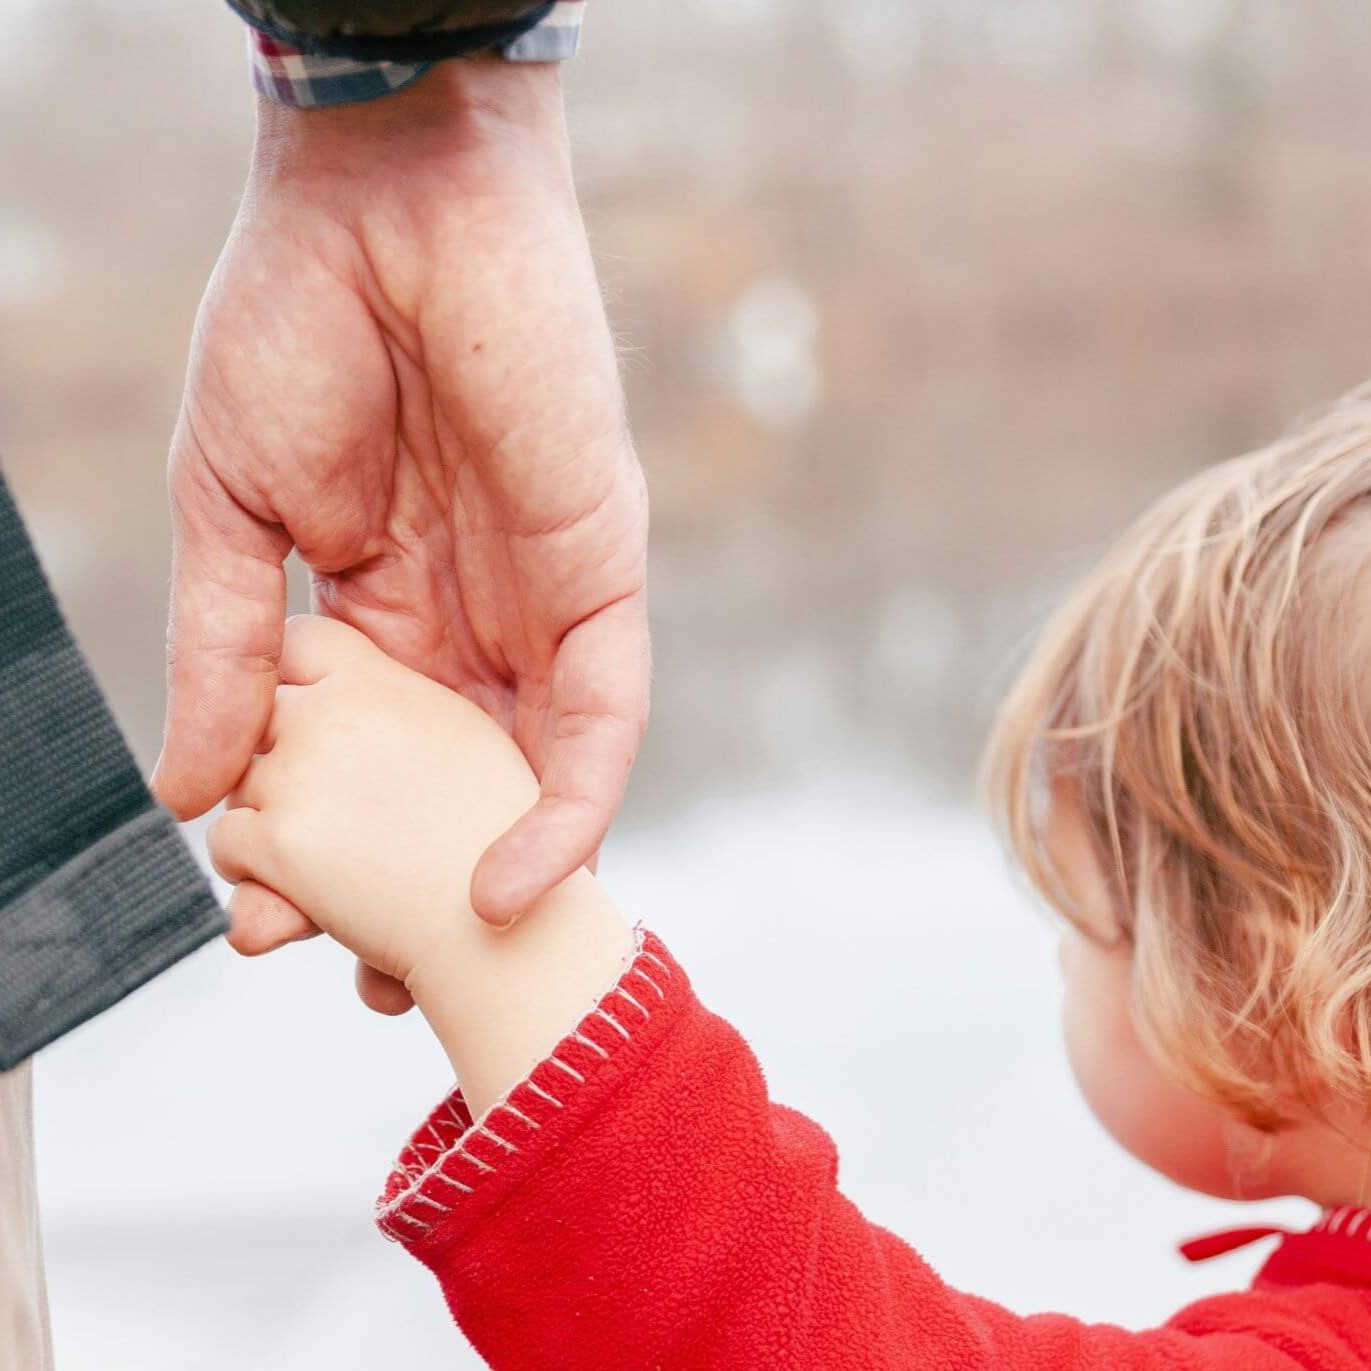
[[209, 1151]]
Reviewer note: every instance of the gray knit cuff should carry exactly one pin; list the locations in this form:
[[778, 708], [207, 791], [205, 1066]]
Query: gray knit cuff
[[98, 893]]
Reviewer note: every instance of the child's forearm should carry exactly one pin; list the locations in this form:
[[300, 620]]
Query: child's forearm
[[500, 1000]]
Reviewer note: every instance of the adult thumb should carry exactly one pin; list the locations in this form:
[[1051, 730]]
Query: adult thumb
[[228, 611]]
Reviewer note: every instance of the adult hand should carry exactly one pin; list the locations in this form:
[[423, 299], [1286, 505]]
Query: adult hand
[[402, 369]]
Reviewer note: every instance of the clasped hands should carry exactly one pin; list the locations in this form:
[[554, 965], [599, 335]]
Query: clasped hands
[[402, 371]]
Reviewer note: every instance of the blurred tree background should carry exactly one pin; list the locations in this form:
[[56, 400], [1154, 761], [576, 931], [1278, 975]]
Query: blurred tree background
[[920, 300]]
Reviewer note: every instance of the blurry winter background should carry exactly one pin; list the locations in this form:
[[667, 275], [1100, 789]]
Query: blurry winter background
[[924, 299]]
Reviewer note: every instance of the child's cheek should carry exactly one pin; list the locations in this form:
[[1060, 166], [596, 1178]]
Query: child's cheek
[[1157, 1120]]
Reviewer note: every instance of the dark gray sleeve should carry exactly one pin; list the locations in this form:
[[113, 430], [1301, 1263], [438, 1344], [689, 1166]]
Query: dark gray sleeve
[[98, 893], [394, 30]]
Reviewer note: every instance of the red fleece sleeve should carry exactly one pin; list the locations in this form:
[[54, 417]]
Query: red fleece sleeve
[[639, 1202]]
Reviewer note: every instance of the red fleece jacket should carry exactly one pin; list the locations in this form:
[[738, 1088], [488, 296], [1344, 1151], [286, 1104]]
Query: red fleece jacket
[[639, 1202]]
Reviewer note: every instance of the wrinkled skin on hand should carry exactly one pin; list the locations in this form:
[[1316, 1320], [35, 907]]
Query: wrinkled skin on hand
[[402, 370]]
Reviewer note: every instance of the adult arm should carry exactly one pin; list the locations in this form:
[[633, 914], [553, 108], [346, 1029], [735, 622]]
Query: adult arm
[[402, 369]]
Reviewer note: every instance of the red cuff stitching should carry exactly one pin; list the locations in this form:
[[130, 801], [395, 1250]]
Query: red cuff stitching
[[456, 1167]]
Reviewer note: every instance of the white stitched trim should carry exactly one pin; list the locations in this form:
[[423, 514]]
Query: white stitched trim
[[590, 1043], [619, 990], [495, 1137], [638, 971], [432, 1204], [441, 1175], [418, 1175], [657, 961], [475, 1161], [613, 1023], [538, 1090], [1357, 1220]]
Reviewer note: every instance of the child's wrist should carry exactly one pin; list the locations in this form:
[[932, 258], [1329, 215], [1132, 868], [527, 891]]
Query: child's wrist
[[500, 1000]]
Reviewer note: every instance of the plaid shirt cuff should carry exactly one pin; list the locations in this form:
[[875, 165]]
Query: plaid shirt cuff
[[291, 77]]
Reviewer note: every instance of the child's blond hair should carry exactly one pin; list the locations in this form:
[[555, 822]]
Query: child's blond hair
[[1203, 701]]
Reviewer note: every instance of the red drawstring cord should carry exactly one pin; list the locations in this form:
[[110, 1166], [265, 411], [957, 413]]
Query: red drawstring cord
[[1220, 1244]]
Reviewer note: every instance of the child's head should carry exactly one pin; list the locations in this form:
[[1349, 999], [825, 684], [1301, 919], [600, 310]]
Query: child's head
[[1184, 769]]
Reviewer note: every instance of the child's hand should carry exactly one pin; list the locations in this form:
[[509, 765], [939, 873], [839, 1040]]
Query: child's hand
[[376, 794]]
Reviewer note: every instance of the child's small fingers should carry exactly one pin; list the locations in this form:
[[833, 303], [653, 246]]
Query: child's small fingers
[[235, 845], [263, 921], [382, 994], [315, 646]]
